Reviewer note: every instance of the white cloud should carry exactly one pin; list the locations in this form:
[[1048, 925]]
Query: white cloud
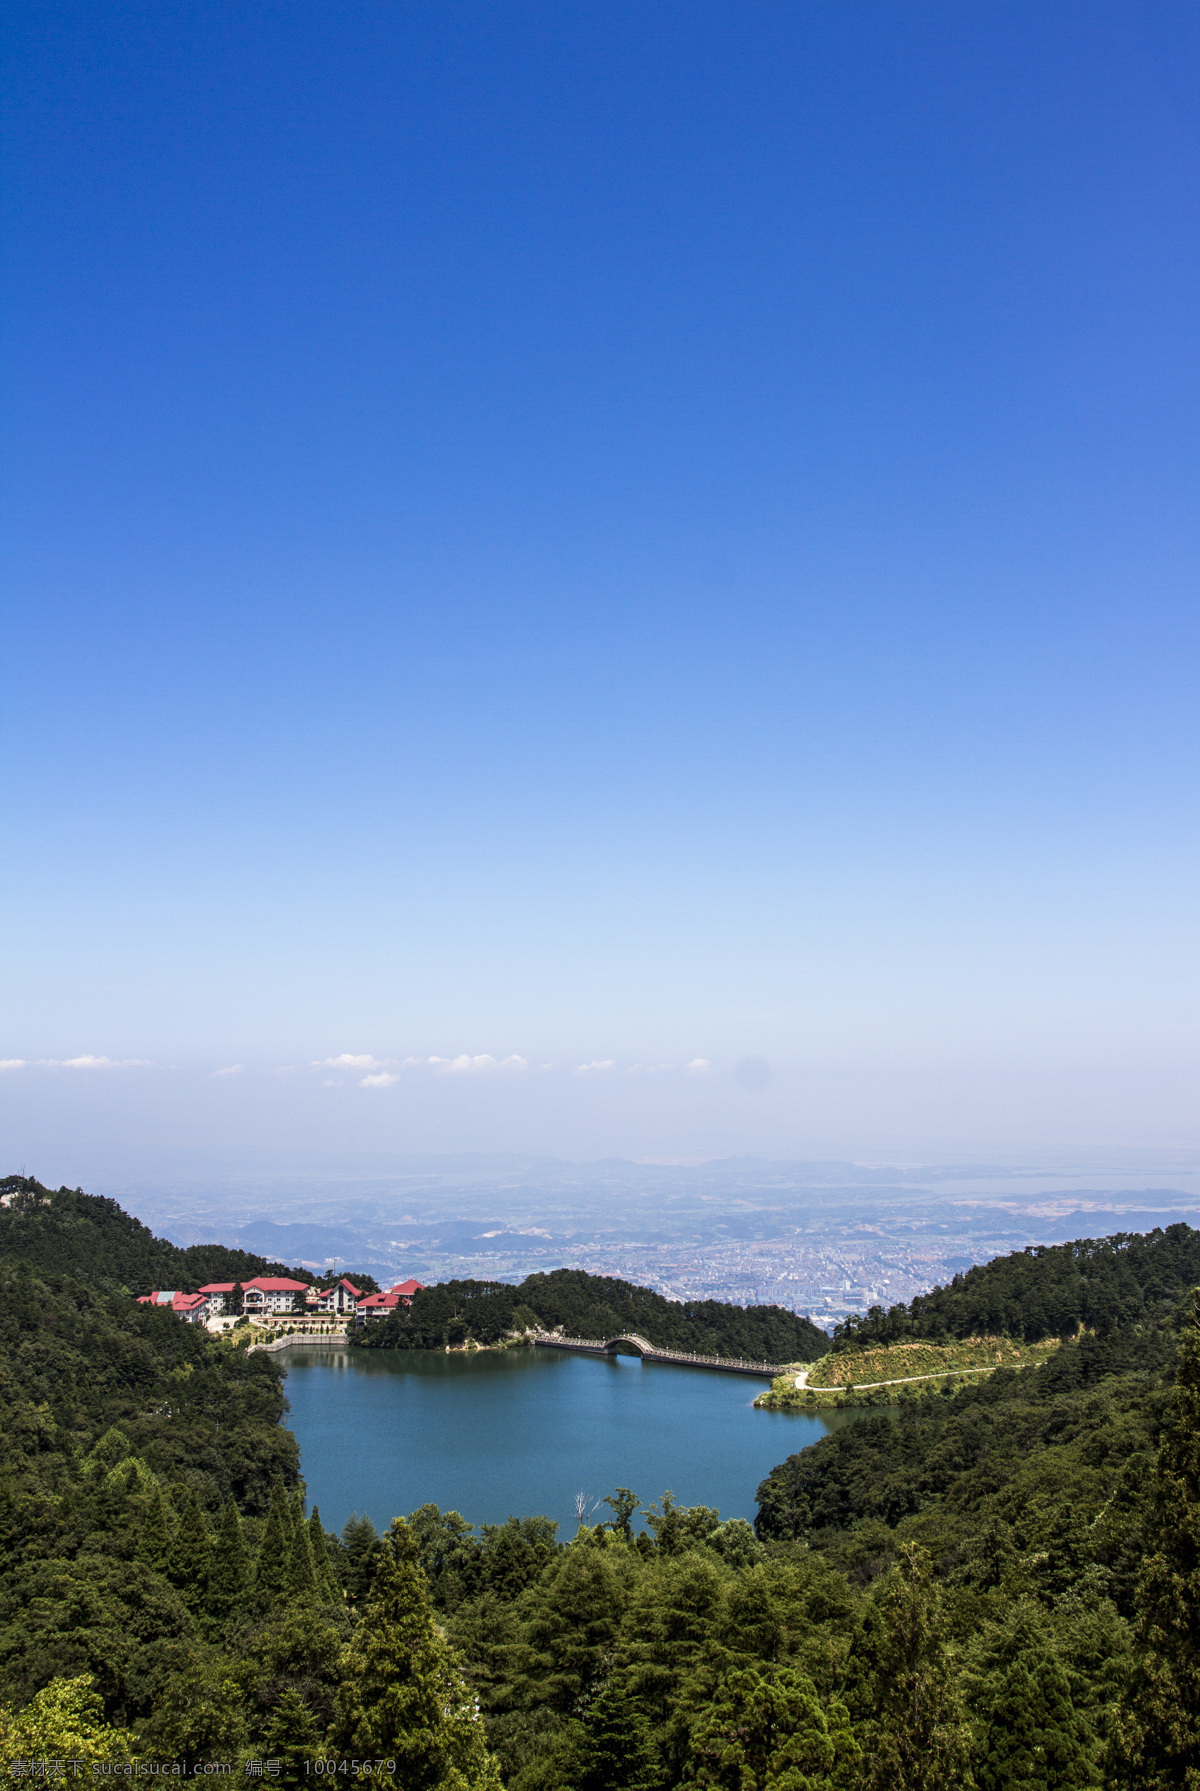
[[699, 1066], [12, 1063], [383, 1079], [466, 1065], [230, 1069], [588, 1069], [347, 1061], [97, 1063]]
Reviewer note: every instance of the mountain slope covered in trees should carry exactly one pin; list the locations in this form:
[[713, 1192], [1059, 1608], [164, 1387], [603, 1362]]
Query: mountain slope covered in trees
[[67, 1231], [1047, 1290]]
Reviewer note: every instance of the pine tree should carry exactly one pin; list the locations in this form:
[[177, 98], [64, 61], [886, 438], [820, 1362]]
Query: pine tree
[[302, 1580], [229, 1580], [272, 1565], [154, 1543], [328, 1590], [917, 1740], [360, 1540], [402, 1695], [1156, 1738], [292, 1735], [616, 1753], [292, 1507], [190, 1560]]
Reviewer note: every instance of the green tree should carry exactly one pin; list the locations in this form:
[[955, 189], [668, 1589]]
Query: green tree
[[918, 1739], [292, 1734], [616, 1753], [677, 1527], [768, 1732], [402, 1695], [328, 1590], [449, 1554], [296, 1649], [190, 1560], [302, 1579], [624, 1503], [64, 1721], [229, 1579], [272, 1567], [361, 1546], [198, 1715], [574, 1614], [154, 1543], [1156, 1738]]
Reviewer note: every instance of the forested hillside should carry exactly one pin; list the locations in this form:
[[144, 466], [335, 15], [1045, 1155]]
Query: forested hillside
[[995, 1589], [69, 1232], [161, 1594], [596, 1306], [1048, 1290]]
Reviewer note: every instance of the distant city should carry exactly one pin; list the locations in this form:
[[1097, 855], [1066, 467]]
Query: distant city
[[824, 1239]]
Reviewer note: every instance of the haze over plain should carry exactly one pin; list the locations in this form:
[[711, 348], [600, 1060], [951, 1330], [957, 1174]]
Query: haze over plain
[[599, 581]]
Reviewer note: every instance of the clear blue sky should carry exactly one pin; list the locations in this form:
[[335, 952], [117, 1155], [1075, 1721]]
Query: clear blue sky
[[604, 534]]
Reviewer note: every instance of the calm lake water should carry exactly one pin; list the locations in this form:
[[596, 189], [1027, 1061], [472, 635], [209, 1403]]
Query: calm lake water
[[519, 1432]]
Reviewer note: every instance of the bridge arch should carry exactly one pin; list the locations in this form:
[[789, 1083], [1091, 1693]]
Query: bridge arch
[[639, 1346]]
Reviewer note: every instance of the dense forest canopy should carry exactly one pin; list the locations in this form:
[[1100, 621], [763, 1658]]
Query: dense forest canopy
[[992, 1588], [595, 1306]]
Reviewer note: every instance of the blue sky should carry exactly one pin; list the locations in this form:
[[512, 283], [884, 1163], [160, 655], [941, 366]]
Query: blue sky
[[626, 534]]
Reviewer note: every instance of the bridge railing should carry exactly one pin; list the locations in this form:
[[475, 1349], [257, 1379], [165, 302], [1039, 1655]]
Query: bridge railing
[[650, 1353]]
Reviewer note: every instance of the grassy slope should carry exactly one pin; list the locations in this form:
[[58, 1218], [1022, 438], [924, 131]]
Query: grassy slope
[[908, 1361]]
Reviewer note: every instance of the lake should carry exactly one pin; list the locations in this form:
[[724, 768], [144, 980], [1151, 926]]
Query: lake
[[506, 1433]]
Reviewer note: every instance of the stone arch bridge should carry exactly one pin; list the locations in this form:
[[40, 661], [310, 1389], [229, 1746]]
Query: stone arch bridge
[[630, 1341]]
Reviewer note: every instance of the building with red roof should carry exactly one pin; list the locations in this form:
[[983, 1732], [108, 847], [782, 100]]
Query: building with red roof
[[191, 1307], [271, 1293], [343, 1296], [380, 1305]]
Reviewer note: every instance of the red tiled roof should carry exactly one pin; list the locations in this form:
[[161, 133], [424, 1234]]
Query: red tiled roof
[[178, 1302], [215, 1287], [276, 1284], [406, 1289]]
